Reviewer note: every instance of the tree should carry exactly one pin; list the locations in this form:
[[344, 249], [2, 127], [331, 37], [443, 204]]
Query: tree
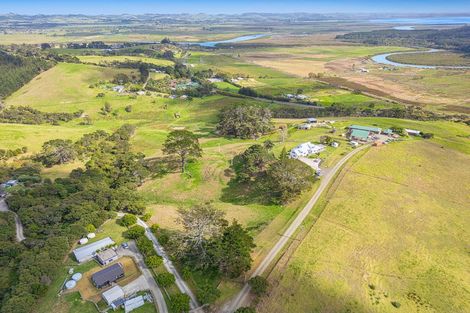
[[207, 292], [259, 285], [200, 223], [90, 228], [128, 108], [180, 303], [231, 250], [327, 140], [154, 261], [245, 121], [106, 109], [145, 246], [57, 151], [427, 135], [146, 217], [252, 163], [184, 144], [165, 279], [268, 144], [286, 179], [135, 232], [121, 79], [128, 220]]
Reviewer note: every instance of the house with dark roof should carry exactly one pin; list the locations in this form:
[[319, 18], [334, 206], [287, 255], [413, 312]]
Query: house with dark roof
[[108, 275]]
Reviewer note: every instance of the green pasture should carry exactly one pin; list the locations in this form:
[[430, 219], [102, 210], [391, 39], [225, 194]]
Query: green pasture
[[103, 60]]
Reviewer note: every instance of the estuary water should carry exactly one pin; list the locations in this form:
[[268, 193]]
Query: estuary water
[[213, 44]]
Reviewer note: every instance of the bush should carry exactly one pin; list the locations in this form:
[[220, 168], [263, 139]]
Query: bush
[[396, 304], [207, 293], [259, 285], [427, 135], [146, 217], [165, 279], [245, 310], [128, 108], [179, 303], [153, 261], [135, 232], [128, 220]]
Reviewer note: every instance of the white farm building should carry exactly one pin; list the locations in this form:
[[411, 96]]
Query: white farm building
[[306, 149]]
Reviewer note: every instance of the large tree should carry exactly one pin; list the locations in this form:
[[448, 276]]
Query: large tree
[[200, 224], [286, 179], [245, 121], [231, 250], [57, 151], [253, 162], [184, 144]]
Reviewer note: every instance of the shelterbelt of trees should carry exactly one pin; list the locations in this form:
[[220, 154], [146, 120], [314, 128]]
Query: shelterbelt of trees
[[457, 39], [57, 213]]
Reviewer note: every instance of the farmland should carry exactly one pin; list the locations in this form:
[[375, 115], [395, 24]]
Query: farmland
[[400, 238], [435, 58], [103, 60]]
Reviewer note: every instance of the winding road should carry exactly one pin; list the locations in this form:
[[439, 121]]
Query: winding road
[[19, 227], [241, 299], [182, 286]]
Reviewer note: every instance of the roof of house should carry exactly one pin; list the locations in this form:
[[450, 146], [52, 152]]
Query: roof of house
[[388, 131], [133, 303], [113, 294], [108, 274], [106, 254], [367, 128], [86, 252], [362, 134]]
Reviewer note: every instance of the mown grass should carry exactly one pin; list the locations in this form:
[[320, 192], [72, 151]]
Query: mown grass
[[393, 229]]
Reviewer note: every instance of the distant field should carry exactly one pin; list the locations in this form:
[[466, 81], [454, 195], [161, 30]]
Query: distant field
[[435, 58], [98, 59], [394, 228]]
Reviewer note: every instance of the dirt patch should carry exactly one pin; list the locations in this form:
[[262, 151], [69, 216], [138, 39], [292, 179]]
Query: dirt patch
[[89, 292]]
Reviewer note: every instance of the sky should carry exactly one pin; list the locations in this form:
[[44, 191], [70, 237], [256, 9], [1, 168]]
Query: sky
[[96, 7]]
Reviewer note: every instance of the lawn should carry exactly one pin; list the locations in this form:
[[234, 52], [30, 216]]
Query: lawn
[[103, 60], [402, 237]]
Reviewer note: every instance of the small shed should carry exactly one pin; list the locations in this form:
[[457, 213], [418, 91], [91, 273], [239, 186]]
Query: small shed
[[113, 294], [311, 120], [133, 303], [413, 132], [106, 256], [304, 126]]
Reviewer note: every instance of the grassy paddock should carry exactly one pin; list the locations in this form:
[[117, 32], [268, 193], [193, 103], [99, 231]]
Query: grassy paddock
[[435, 58], [103, 60], [400, 238]]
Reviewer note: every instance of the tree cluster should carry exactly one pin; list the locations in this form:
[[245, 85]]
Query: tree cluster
[[57, 213], [245, 121], [27, 115]]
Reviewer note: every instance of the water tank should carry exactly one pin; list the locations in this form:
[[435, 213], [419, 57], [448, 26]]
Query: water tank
[[91, 235], [71, 271], [77, 276], [83, 241], [70, 284]]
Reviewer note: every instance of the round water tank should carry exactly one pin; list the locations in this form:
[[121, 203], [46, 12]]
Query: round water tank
[[83, 241], [71, 271], [91, 235], [70, 284], [77, 276]]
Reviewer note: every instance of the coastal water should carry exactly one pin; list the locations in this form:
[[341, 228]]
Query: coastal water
[[383, 59], [213, 44]]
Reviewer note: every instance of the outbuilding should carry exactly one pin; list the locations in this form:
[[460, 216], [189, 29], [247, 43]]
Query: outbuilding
[[112, 295], [106, 256], [133, 303], [87, 252], [413, 132]]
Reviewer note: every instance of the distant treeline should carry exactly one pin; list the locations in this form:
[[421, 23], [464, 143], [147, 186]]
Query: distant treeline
[[457, 39], [27, 115], [409, 112], [18, 70]]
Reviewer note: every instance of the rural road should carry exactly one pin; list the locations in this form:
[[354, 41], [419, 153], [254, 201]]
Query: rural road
[[182, 286], [146, 281], [19, 227], [241, 298]]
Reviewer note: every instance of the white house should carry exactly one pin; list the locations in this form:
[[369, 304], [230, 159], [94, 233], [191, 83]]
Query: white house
[[119, 89], [304, 126], [306, 149], [334, 144]]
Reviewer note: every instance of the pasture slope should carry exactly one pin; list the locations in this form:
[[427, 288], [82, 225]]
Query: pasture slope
[[394, 229]]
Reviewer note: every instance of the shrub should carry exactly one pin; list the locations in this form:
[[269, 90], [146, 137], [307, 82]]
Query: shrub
[[259, 285], [146, 217], [207, 293], [396, 304], [245, 310], [153, 261], [165, 279], [135, 232], [128, 220]]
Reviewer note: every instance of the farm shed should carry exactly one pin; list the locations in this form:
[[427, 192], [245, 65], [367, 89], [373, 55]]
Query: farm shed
[[108, 275], [107, 256], [133, 303], [113, 294], [358, 134], [87, 252]]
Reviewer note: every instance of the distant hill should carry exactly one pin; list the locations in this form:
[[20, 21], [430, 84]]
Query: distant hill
[[456, 39]]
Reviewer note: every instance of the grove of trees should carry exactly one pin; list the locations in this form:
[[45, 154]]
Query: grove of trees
[[245, 121]]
